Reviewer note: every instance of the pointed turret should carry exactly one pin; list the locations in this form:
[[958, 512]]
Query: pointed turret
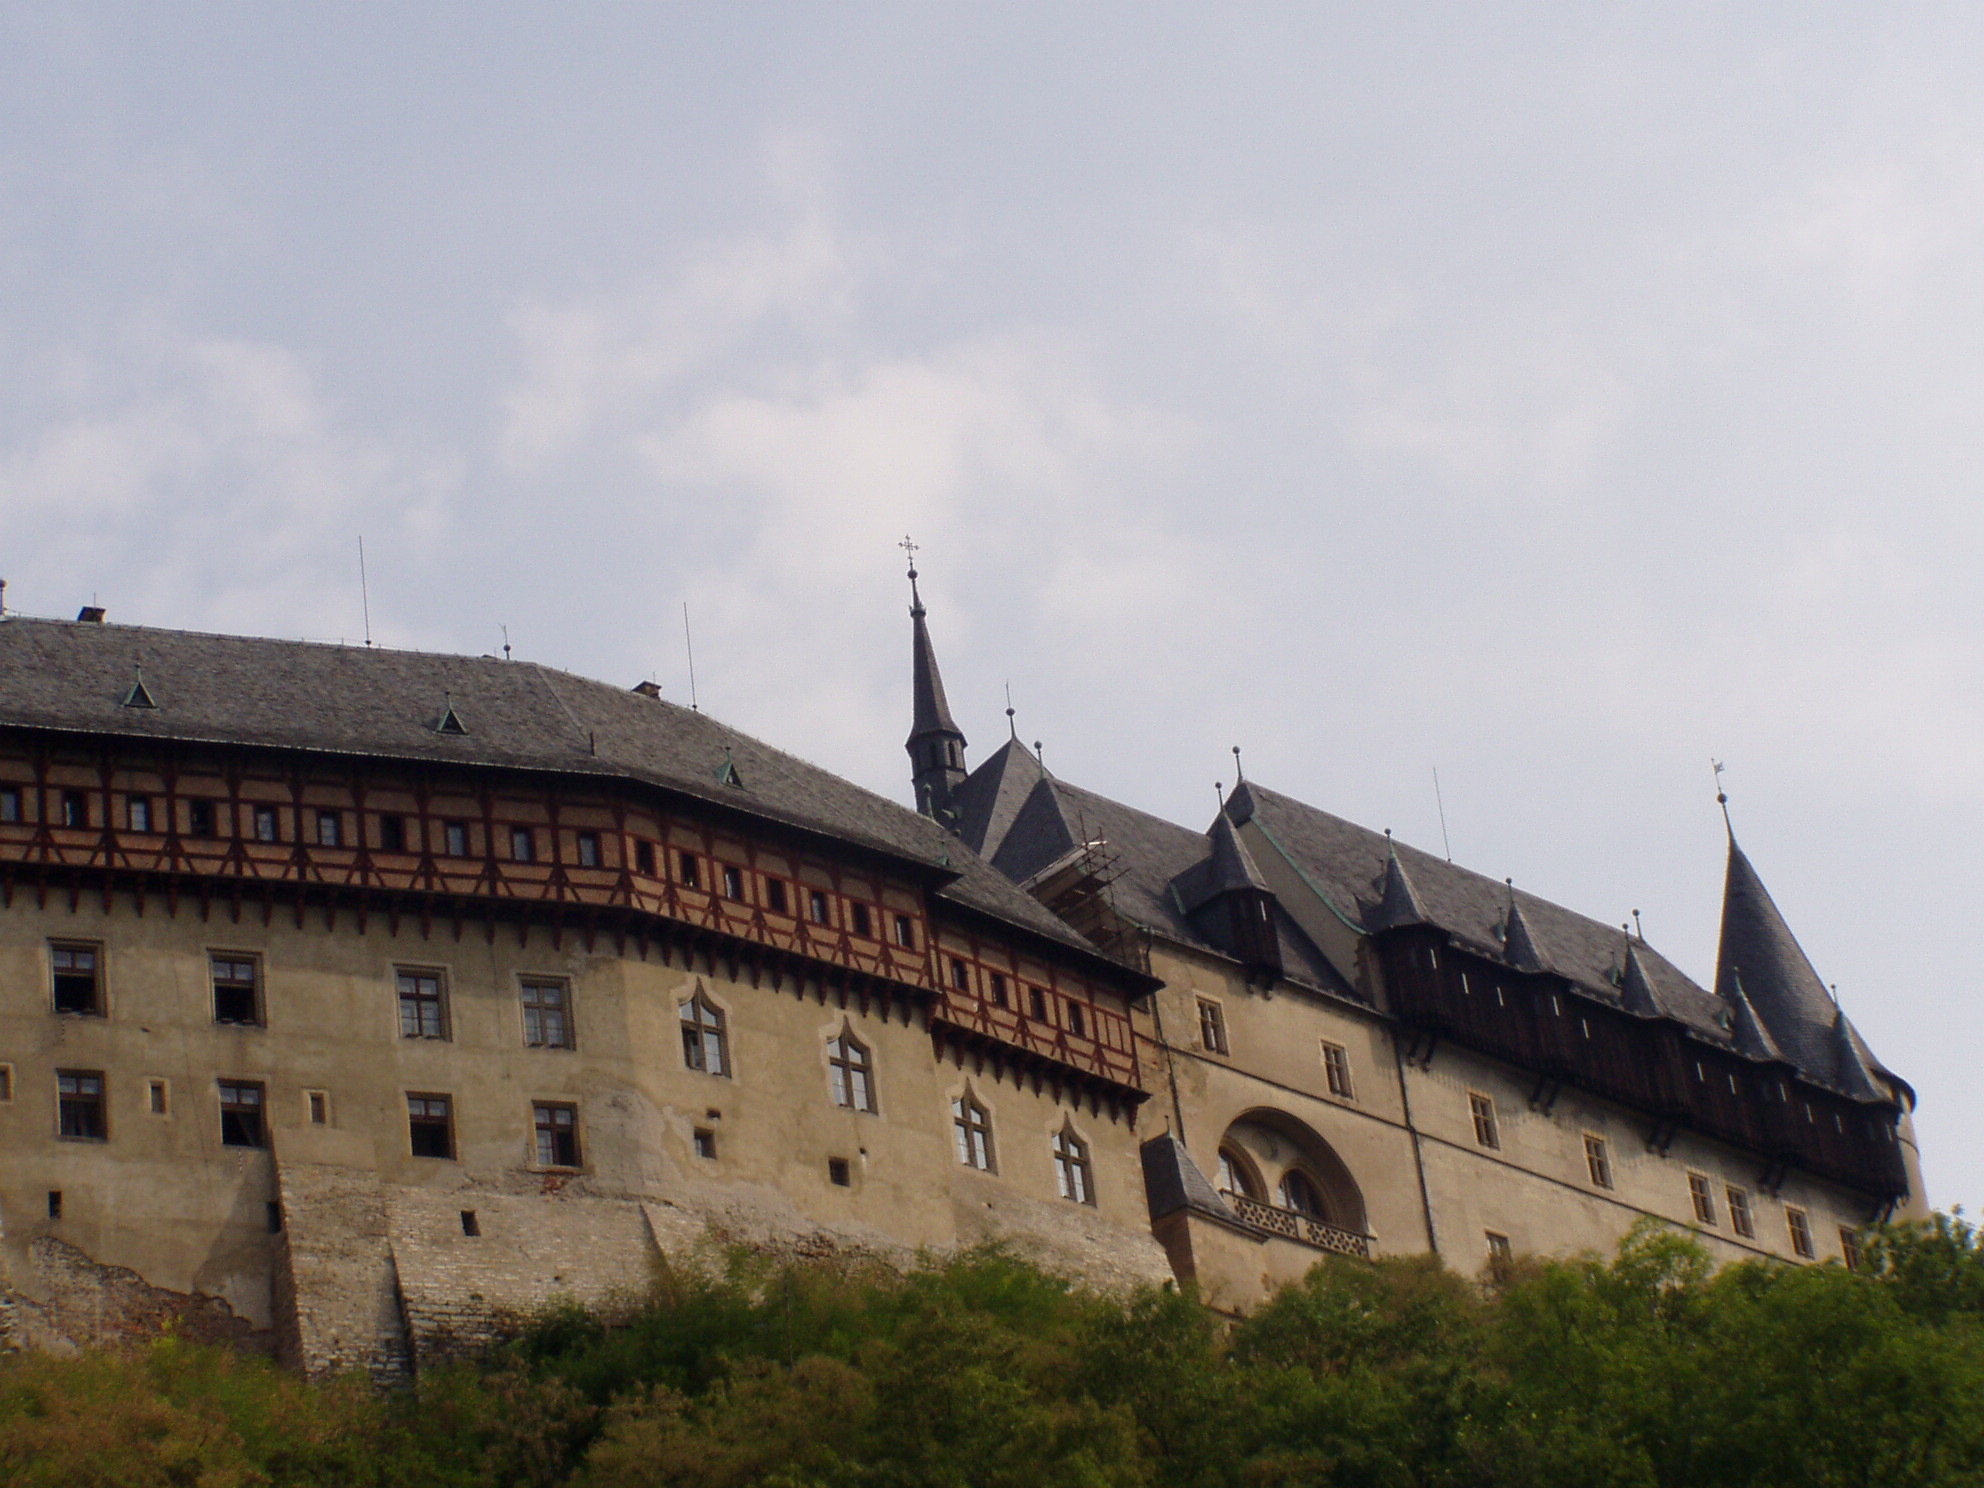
[[936, 743], [1636, 987], [1233, 867], [1398, 902], [1518, 944], [1760, 962], [1229, 900], [1752, 1038], [1851, 1071]]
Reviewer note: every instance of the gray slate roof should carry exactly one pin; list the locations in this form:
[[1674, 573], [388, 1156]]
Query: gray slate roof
[[371, 701]]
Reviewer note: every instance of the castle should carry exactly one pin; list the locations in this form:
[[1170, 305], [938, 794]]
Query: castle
[[355, 1001]]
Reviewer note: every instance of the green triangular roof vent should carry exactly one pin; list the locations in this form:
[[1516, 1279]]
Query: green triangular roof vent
[[139, 696], [451, 721], [726, 773]]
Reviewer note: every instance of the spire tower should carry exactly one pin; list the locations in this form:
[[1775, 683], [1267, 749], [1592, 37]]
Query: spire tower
[[935, 743]]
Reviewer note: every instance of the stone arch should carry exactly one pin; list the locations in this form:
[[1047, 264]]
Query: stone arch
[[1282, 1158]]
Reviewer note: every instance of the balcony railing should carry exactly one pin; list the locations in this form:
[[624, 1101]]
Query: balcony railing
[[1304, 1229]]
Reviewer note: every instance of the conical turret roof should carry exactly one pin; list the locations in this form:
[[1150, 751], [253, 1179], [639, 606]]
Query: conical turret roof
[[1752, 1037], [1777, 980], [1851, 1072], [932, 711], [1636, 987], [1518, 943], [1398, 902]]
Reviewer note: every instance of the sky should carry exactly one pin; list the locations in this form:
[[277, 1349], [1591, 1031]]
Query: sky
[[1553, 397]]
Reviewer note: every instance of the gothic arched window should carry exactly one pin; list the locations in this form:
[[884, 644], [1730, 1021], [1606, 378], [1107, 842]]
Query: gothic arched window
[[1298, 1192], [1071, 1167], [705, 1042], [972, 1125], [852, 1067], [1236, 1175]]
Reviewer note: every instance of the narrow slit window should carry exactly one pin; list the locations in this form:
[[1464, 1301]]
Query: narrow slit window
[[557, 1135], [80, 1106], [158, 1097], [237, 990], [78, 979], [241, 1123], [547, 1009], [423, 1005], [1487, 1131], [1072, 1171], [430, 1126], [972, 1126], [705, 1042], [6, 1083], [851, 1069], [317, 1106], [588, 844]]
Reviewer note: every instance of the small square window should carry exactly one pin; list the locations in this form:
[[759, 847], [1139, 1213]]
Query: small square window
[[199, 818], [689, 870], [330, 829], [1212, 1027], [557, 1135], [392, 834], [236, 990], [905, 932], [78, 979], [158, 1097], [317, 1107], [775, 895], [80, 1105], [1800, 1226], [1740, 1218], [1702, 1197], [733, 882], [1598, 1161], [644, 858], [588, 849], [423, 1005], [705, 1143], [1487, 1132], [1336, 1070], [522, 848], [816, 907], [863, 925], [430, 1126], [547, 1014], [10, 804], [241, 1122], [840, 1172], [139, 813], [267, 828], [75, 809], [454, 839]]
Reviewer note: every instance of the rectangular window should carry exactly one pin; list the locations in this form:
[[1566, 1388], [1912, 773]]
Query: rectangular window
[[689, 870], [1486, 1132], [1500, 1253], [588, 849], [392, 834], [6, 1083], [1071, 1168], [1336, 1070], [960, 974], [75, 809], [236, 998], [454, 839], [55, 1203], [733, 882], [905, 932], [816, 907], [430, 1126], [1036, 1004], [241, 1115], [775, 895], [78, 979], [317, 1107], [158, 1097], [1849, 1247], [863, 927], [851, 1069], [266, 829], [1740, 1219], [1801, 1233], [471, 1225], [1703, 1198], [705, 1143], [705, 1038], [1598, 1161], [423, 1006], [973, 1129], [522, 848], [10, 805], [998, 989], [644, 858], [138, 813], [547, 1015], [79, 1099], [1077, 1019], [557, 1135], [330, 829], [1212, 1026], [199, 818], [840, 1173]]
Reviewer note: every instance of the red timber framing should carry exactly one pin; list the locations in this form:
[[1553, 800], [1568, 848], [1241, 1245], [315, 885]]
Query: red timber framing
[[1440, 990], [486, 884]]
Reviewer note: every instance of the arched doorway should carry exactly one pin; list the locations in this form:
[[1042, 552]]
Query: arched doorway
[[1274, 1158]]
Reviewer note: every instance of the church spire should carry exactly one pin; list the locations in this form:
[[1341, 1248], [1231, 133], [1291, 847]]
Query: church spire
[[1761, 963], [936, 743]]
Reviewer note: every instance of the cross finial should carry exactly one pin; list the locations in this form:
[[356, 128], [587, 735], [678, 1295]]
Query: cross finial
[[1011, 727], [910, 547], [1721, 796]]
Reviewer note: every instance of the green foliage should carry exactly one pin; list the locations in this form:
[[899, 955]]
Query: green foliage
[[1648, 1370]]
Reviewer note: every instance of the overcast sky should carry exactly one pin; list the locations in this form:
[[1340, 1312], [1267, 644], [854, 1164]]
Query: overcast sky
[[1555, 396]]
